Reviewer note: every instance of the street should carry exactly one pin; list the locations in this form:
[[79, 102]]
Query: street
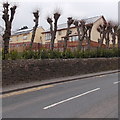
[[94, 97]]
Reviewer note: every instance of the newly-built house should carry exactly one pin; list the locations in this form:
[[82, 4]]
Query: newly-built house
[[21, 39], [73, 37]]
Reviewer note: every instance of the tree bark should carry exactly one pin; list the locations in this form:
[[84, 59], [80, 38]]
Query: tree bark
[[79, 39], [8, 22], [66, 38], [36, 15]]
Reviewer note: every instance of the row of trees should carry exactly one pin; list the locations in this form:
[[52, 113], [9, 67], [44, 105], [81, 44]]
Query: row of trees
[[8, 19], [83, 29], [106, 30]]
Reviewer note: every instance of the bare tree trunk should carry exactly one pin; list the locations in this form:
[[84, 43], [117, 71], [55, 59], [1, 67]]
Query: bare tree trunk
[[53, 31], [89, 28], [89, 43], [8, 22], [52, 43], [102, 30], [32, 38], [83, 32], [65, 43], [101, 41], [114, 34], [66, 38], [119, 38], [6, 46], [79, 39], [107, 40], [108, 31], [36, 15], [54, 35]]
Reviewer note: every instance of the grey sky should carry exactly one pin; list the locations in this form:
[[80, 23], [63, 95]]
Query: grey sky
[[76, 9]]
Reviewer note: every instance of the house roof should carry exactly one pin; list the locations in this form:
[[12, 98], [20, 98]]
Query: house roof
[[87, 21], [92, 19], [24, 31]]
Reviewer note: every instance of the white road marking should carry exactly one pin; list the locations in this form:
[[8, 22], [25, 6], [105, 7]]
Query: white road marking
[[116, 82], [52, 105]]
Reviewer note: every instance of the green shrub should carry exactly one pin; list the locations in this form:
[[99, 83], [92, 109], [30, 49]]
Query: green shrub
[[54, 54], [86, 54], [13, 55], [49, 54], [78, 54], [92, 54], [36, 55], [28, 54], [67, 54], [44, 54]]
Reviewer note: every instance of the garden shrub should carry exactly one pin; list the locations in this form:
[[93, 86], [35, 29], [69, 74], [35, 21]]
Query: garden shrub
[[56, 54], [28, 54], [44, 54], [67, 54], [13, 55]]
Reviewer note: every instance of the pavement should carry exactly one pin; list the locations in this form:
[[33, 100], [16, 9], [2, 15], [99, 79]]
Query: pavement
[[33, 84], [90, 97]]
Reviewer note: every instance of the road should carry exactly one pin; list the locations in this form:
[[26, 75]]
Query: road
[[95, 97]]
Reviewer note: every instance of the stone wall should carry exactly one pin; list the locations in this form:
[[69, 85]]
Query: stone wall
[[23, 71]]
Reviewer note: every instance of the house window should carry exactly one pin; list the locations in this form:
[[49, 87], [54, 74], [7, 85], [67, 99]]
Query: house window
[[76, 37], [24, 37], [71, 39], [47, 36]]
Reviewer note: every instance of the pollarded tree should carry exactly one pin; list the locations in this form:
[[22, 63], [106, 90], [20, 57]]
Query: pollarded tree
[[81, 31], [118, 34], [84, 31], [89, 29], [76, 23], [108, 31], [8, 19], [36, 20], [114, 34], [102, 30], [53, 29], [66, 38]]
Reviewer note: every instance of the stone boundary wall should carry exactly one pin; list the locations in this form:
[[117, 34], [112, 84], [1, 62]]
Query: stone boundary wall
[[25, 71]]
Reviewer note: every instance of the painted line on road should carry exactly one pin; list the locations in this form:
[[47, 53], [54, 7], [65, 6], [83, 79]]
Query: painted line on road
[[116, 82], [63, 101], [25, 91]]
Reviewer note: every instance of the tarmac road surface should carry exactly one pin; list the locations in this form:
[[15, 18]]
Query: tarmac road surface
[[94, 97]]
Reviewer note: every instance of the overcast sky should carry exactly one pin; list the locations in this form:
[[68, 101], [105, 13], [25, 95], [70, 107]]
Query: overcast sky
[[76, 9]]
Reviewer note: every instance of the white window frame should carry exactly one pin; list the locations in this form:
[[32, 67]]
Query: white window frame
[[25, 37], [47, 36]]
